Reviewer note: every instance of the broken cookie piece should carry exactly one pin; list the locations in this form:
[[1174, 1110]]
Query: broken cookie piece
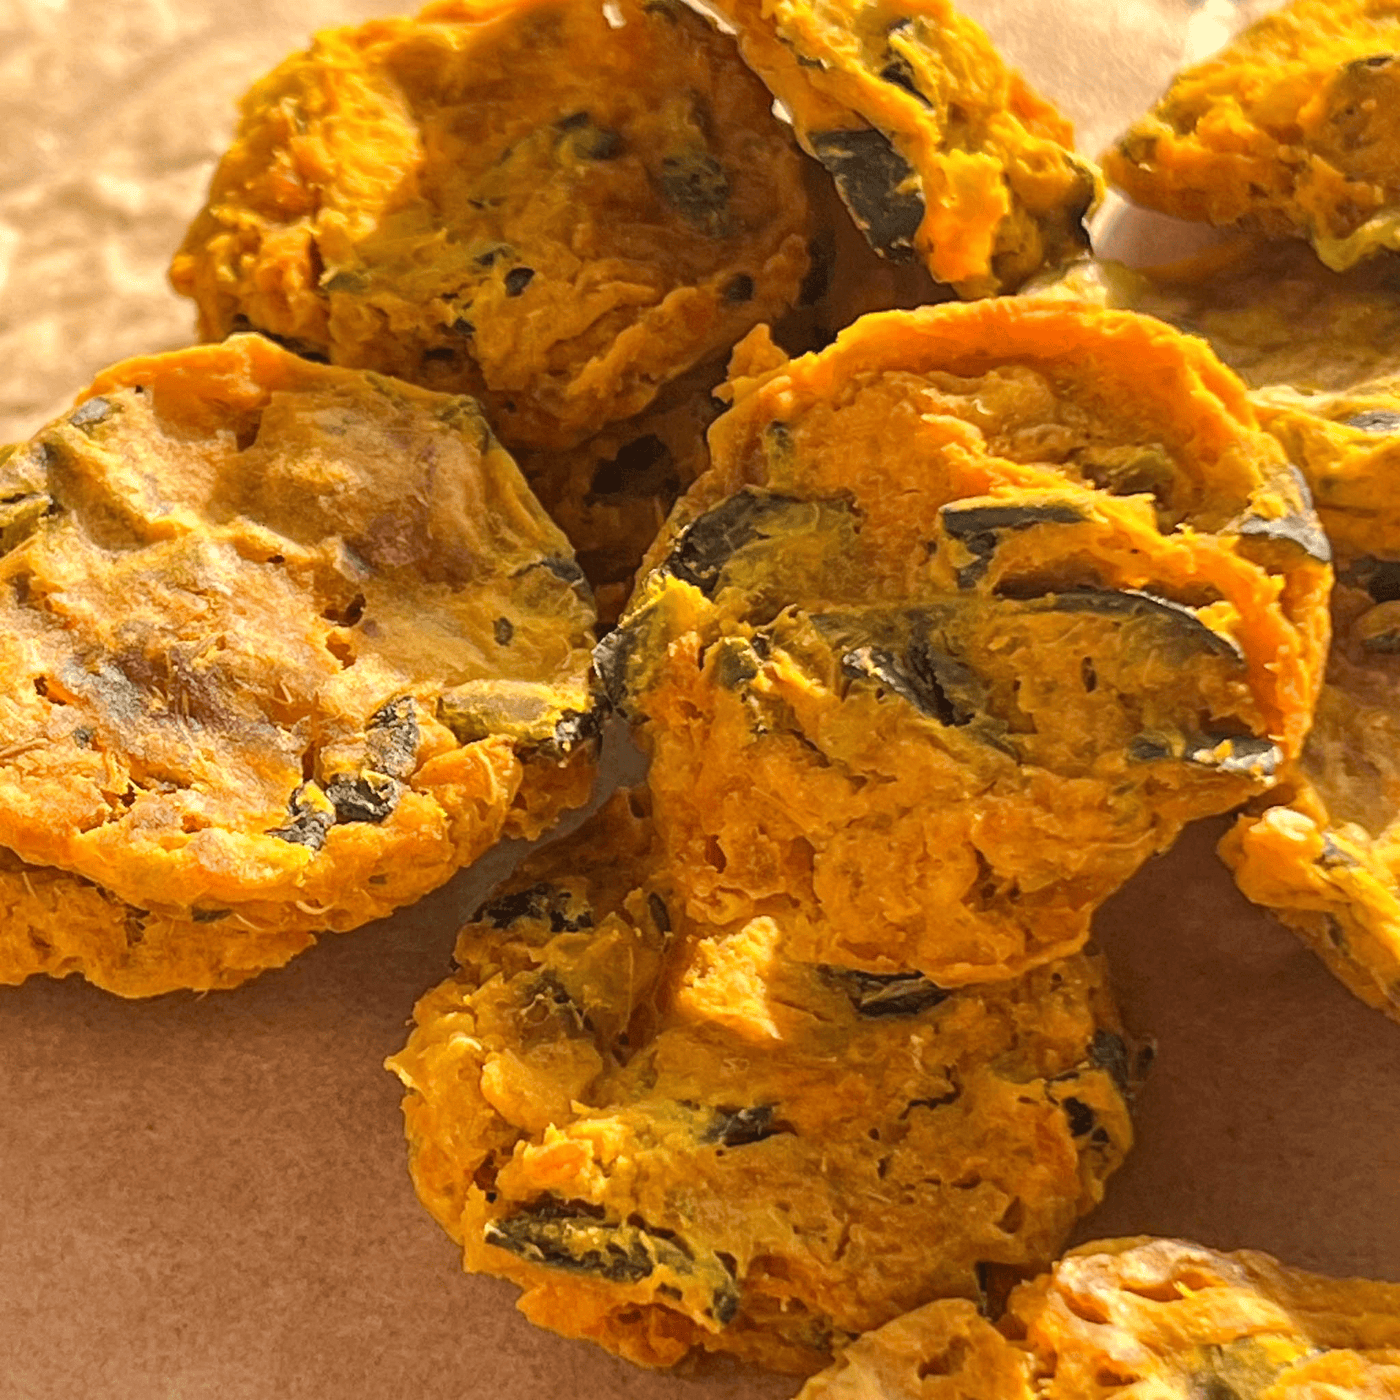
[[1139, 1317], [283, 642], [971, 613], [1291, 129], [938, 150], [553, 205], [674, 1135]]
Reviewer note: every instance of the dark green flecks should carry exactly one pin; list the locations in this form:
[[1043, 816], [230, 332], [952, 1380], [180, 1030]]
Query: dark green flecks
[[695, 186], [363, 797], [517, 279], [1375, 420], [735, 663], [568, 571], [936, 685], [1300, 528], [503, 630], [611, 658], [979, 529], [308, 824], [1109, 1051], [1243, 755], [875, 994], [709, 542], [1333, 857], [660, 915], [876, 184], [560, 908], [209, 916], [588, 140], [574, 727], [741, 1127], [898, 72]]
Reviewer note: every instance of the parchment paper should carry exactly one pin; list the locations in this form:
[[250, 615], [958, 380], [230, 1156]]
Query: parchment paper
[[208, 1197]]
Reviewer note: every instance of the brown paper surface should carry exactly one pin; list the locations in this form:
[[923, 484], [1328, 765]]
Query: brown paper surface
[[208, 1196]]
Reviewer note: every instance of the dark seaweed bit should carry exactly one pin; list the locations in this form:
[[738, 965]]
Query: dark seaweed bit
[[898, 72], [574, 727], [308, 825], [736, 662], [592, 142], [94, 411], [1334, 857], [1081, 1117], [517, 279], [462, 326], [935, 685], [363, 797], [1247, 755], [1300, 528], [696, 187], [741, 1127], [83, 737], [209, 916], [1378, 577], [641, 468], [874, 994], [964, 522], [543, 902], [726, 1304], [611, 658], [739, 289], [708, 542], [503, 629], [547, 997], [566, 570], [1109, 1051], [1133, 603], [1375, 420], [870, 175], [660, 915], [569, 1243], [391, 737]]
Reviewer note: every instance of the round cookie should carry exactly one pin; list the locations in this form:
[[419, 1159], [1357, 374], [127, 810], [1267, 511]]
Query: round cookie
[[554, 205], [283, 642], [1139, 1317], [1291, 129], [937, 148], [971, 613], [676, 1136]]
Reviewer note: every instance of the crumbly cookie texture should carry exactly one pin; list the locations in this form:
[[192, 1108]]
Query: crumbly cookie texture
[[284, 643], [530, 202], [1270, 310], [971, 612], [674, 1135], [1140, 1318], [1291, 129], [938, 149]]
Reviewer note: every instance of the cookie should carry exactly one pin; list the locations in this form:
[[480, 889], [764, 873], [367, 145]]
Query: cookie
[[675, 1136], [283, 643], [553, 205], [1291, 129], [1139, 1317], [971, 613], [938, 149]]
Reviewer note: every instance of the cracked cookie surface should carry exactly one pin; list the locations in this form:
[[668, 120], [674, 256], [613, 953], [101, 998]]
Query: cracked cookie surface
[[283, 641], [1291, 129], [674, 1135], [970, 614], [1135, 1318], [938, 148], [522, 201]]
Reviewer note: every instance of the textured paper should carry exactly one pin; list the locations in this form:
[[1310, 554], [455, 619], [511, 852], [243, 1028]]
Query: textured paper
[[208, 1197]]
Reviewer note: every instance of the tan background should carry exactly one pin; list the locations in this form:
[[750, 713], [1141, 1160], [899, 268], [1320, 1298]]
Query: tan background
[[208, 1197]]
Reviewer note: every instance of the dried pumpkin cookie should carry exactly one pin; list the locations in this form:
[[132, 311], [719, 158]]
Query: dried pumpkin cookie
[[554, 205], [674, 1136], [971, 613], [282, 642], [1139, 1318], [938, 149], [1292, 129]]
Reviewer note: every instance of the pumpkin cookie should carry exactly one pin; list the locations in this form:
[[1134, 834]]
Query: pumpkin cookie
[[938, 149], [1139, 1317], [1293, 128], [286, 644], [971, 613], [554, 205], [673, 1135]]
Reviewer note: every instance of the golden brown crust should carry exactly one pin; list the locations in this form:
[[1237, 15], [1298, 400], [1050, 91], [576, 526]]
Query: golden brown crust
[[935, 145], [675, 1136], [280, 639], [460, 201], [1290, 129], [970, 613]]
